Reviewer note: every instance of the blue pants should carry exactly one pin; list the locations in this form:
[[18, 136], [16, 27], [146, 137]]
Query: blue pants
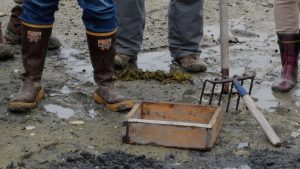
[[98, 15]]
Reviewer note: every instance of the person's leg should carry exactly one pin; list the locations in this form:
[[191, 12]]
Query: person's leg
[[13, 29], [131, 23], [6, 52], [286, 15], [37, 20], [186, 32], [100, 22]]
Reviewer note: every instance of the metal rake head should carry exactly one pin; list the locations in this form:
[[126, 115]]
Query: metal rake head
[[225, 83]]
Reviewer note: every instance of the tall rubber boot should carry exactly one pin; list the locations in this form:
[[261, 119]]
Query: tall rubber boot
[[6, 52], [35, 40], [13, 29], [289, 51], [102, 52]]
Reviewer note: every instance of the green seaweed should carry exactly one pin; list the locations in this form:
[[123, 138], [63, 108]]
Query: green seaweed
[[131, 74]]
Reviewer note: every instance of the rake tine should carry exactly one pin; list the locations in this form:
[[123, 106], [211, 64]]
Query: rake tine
[[212, 94], [239, 97], [204, 84], [221, 93], [251, 85], [229, 97]]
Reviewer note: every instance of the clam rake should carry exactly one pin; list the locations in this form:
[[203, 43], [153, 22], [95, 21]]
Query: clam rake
[[237, 82], [227, 82]]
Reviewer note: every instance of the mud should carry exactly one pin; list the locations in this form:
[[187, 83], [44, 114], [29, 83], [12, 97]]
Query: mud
[[69, 85]]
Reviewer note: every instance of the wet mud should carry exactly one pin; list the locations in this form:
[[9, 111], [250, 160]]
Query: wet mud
[[68, 130]]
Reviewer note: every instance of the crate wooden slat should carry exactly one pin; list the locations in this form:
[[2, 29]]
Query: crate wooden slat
[[173, 125]]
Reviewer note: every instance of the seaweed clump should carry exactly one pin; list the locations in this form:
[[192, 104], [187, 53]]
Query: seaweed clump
[[131, 74]]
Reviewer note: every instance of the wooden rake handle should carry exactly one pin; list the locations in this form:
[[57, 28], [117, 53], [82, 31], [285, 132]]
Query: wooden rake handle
[[260, 118]]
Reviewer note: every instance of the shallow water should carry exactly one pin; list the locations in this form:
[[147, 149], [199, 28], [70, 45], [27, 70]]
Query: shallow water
[[60, 111]]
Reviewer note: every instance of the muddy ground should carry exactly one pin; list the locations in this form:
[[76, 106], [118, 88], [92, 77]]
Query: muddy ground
[[45, 138]]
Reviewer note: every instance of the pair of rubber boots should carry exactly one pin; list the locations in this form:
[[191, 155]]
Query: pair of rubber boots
[[34, 50], [289, 51]]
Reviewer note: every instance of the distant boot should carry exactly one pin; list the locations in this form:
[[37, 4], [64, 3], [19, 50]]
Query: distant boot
[[102, 52], [34, 50], [6, 52], [192, 63], [122, 61], [13, 30], [289, 51]]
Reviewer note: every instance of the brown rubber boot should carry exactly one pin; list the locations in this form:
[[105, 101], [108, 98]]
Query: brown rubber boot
[[192, 63], [289, 52], [35, 40], [123, 61], [13, 30], [6, 52], [102, 52]]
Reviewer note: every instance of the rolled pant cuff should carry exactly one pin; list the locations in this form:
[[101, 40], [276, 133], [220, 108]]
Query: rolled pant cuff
[[101, 33], [36, 25], [100, 26], [126, 52], [183, 54]]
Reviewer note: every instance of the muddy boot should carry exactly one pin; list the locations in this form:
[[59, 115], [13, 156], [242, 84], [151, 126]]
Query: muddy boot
[[289, 51], [123, 61], [192, 63], [102, 52], [35, 40], [6, 52], [13, 30]]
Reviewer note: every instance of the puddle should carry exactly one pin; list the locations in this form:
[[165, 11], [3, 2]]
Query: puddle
[[152, 61], [82, 68], [265, 99], [60, 111], [270, 101]]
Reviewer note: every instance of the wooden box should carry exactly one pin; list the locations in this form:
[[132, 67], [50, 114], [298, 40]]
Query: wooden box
[[177, 125]]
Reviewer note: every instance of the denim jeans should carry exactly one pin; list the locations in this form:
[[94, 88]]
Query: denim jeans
[[98, 15]]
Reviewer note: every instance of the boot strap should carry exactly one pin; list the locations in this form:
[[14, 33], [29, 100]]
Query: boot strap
[[288, 42]]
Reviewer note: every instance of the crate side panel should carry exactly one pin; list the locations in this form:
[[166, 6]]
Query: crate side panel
[[215, 130], [170, 136], [178, 112]]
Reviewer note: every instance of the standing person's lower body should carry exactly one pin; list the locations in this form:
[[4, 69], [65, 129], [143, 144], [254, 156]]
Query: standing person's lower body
[[185, 32], [100, 22], [286, 15], [6, 52], [13, 29]]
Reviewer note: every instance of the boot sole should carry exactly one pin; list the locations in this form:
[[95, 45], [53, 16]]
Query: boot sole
[[116, 107], [22, 106]]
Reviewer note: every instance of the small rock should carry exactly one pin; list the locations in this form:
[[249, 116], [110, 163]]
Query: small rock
[[243, 145], [32, 134], [244, 167], [267, 4], [16, 70], [77, 122], [91, 147], [295, 134], [2, 14], [29, 127]]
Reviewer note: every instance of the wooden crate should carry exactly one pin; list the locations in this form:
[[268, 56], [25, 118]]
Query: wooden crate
[[173, 125]]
